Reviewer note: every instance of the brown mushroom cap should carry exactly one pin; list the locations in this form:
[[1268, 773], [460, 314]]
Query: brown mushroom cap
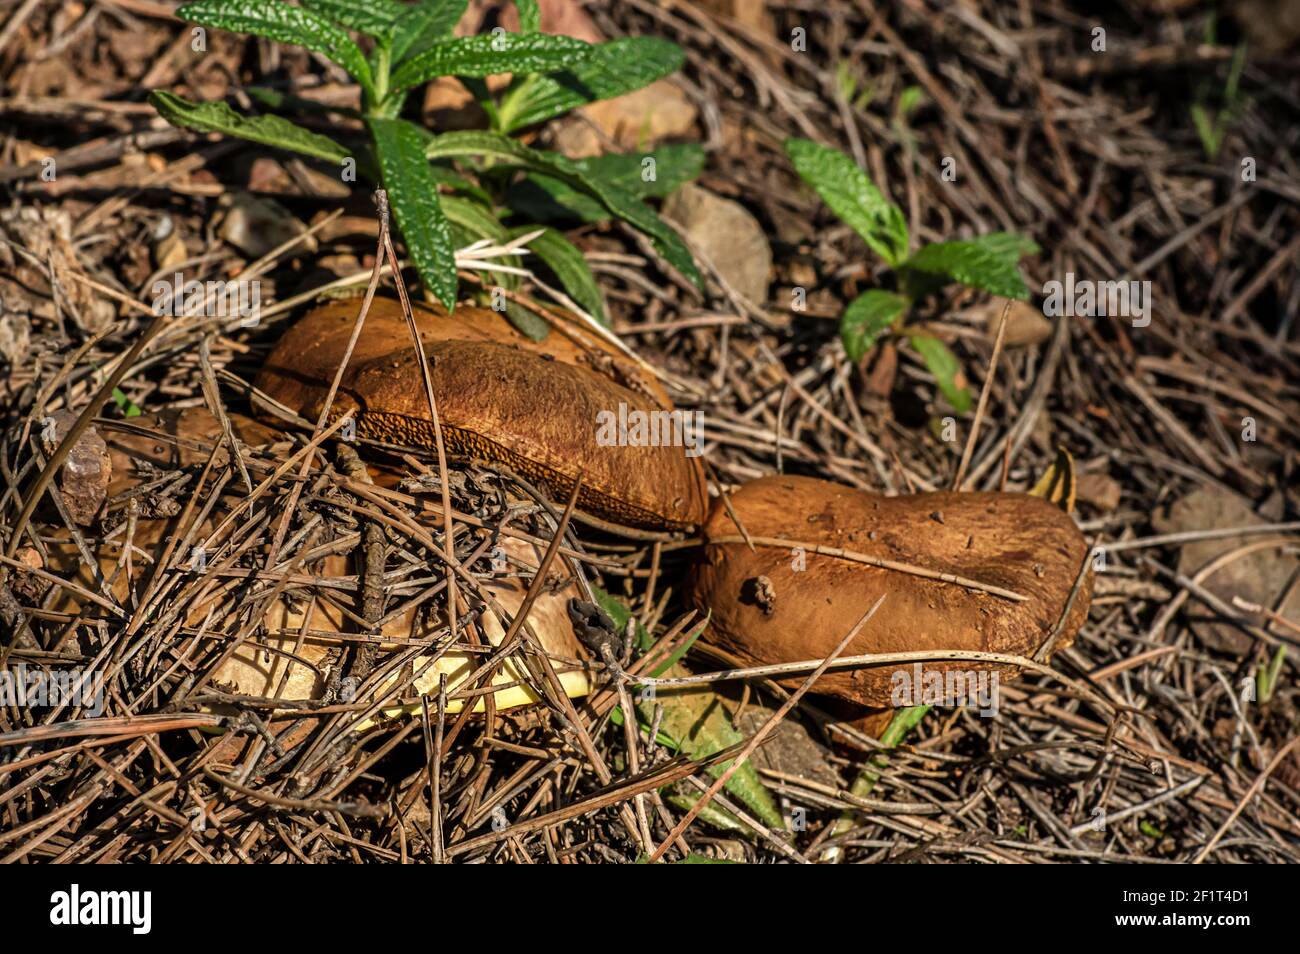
[[275, 663], [501, 397], [1010, 540]]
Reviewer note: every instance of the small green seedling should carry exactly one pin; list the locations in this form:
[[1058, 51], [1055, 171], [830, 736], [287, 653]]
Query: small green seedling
[[1266, 679], [990, 262], [452, 189], [1212, 124]]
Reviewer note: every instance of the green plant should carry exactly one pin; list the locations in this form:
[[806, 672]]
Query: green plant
[[990, 262], [1212, 126], [697, 723], [455, 188], [1267, 678]]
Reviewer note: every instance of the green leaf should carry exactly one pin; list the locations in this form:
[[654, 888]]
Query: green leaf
[[413, 198], [867, 318], [285, 24], [700, 721], [489, 54], [618, 201], [548, 199], [129, 407], [477, 220], [473, 221], [612, 69], [690, 860], [945, 367], [281, 102], [373, 17], [697, 721], [910, 98], [570, 267], [527, 322], [612, 607], [990, 262], [267, 130], [530, 16], [456, 182], [850, 194], [425, 23]]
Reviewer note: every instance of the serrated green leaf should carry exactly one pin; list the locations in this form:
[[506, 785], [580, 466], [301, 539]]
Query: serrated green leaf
[[613, 69], [867, 318], [850, 194], [489, 54], [990, 262], [413, 198], [530, 16], [285, 24], [618, 201], [267, 130], [373, 17], [945, 367], [425, 23], [570, 267], [548, 199]]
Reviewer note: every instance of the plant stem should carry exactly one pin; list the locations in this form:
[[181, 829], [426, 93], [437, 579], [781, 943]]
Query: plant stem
[[903, 722]]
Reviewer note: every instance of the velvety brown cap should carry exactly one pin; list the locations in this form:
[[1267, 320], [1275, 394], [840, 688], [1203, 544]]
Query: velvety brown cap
[[501, 397], [1010, 540]]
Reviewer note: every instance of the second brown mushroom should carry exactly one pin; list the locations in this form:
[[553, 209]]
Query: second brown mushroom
[[984, 572]]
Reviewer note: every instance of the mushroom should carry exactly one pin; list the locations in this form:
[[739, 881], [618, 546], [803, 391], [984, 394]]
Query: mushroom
[[501, 397], [778, 603], [276, 662], [257, 668]]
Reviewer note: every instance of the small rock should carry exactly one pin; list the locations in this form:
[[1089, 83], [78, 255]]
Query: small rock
[[1261, 577], [255, 225], [15, 337], [1026, 325], [168, 247], [28, 586], [726, 234], [790, 748], [1100, 490], [86, 472], [751, 13], [635, 121]]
